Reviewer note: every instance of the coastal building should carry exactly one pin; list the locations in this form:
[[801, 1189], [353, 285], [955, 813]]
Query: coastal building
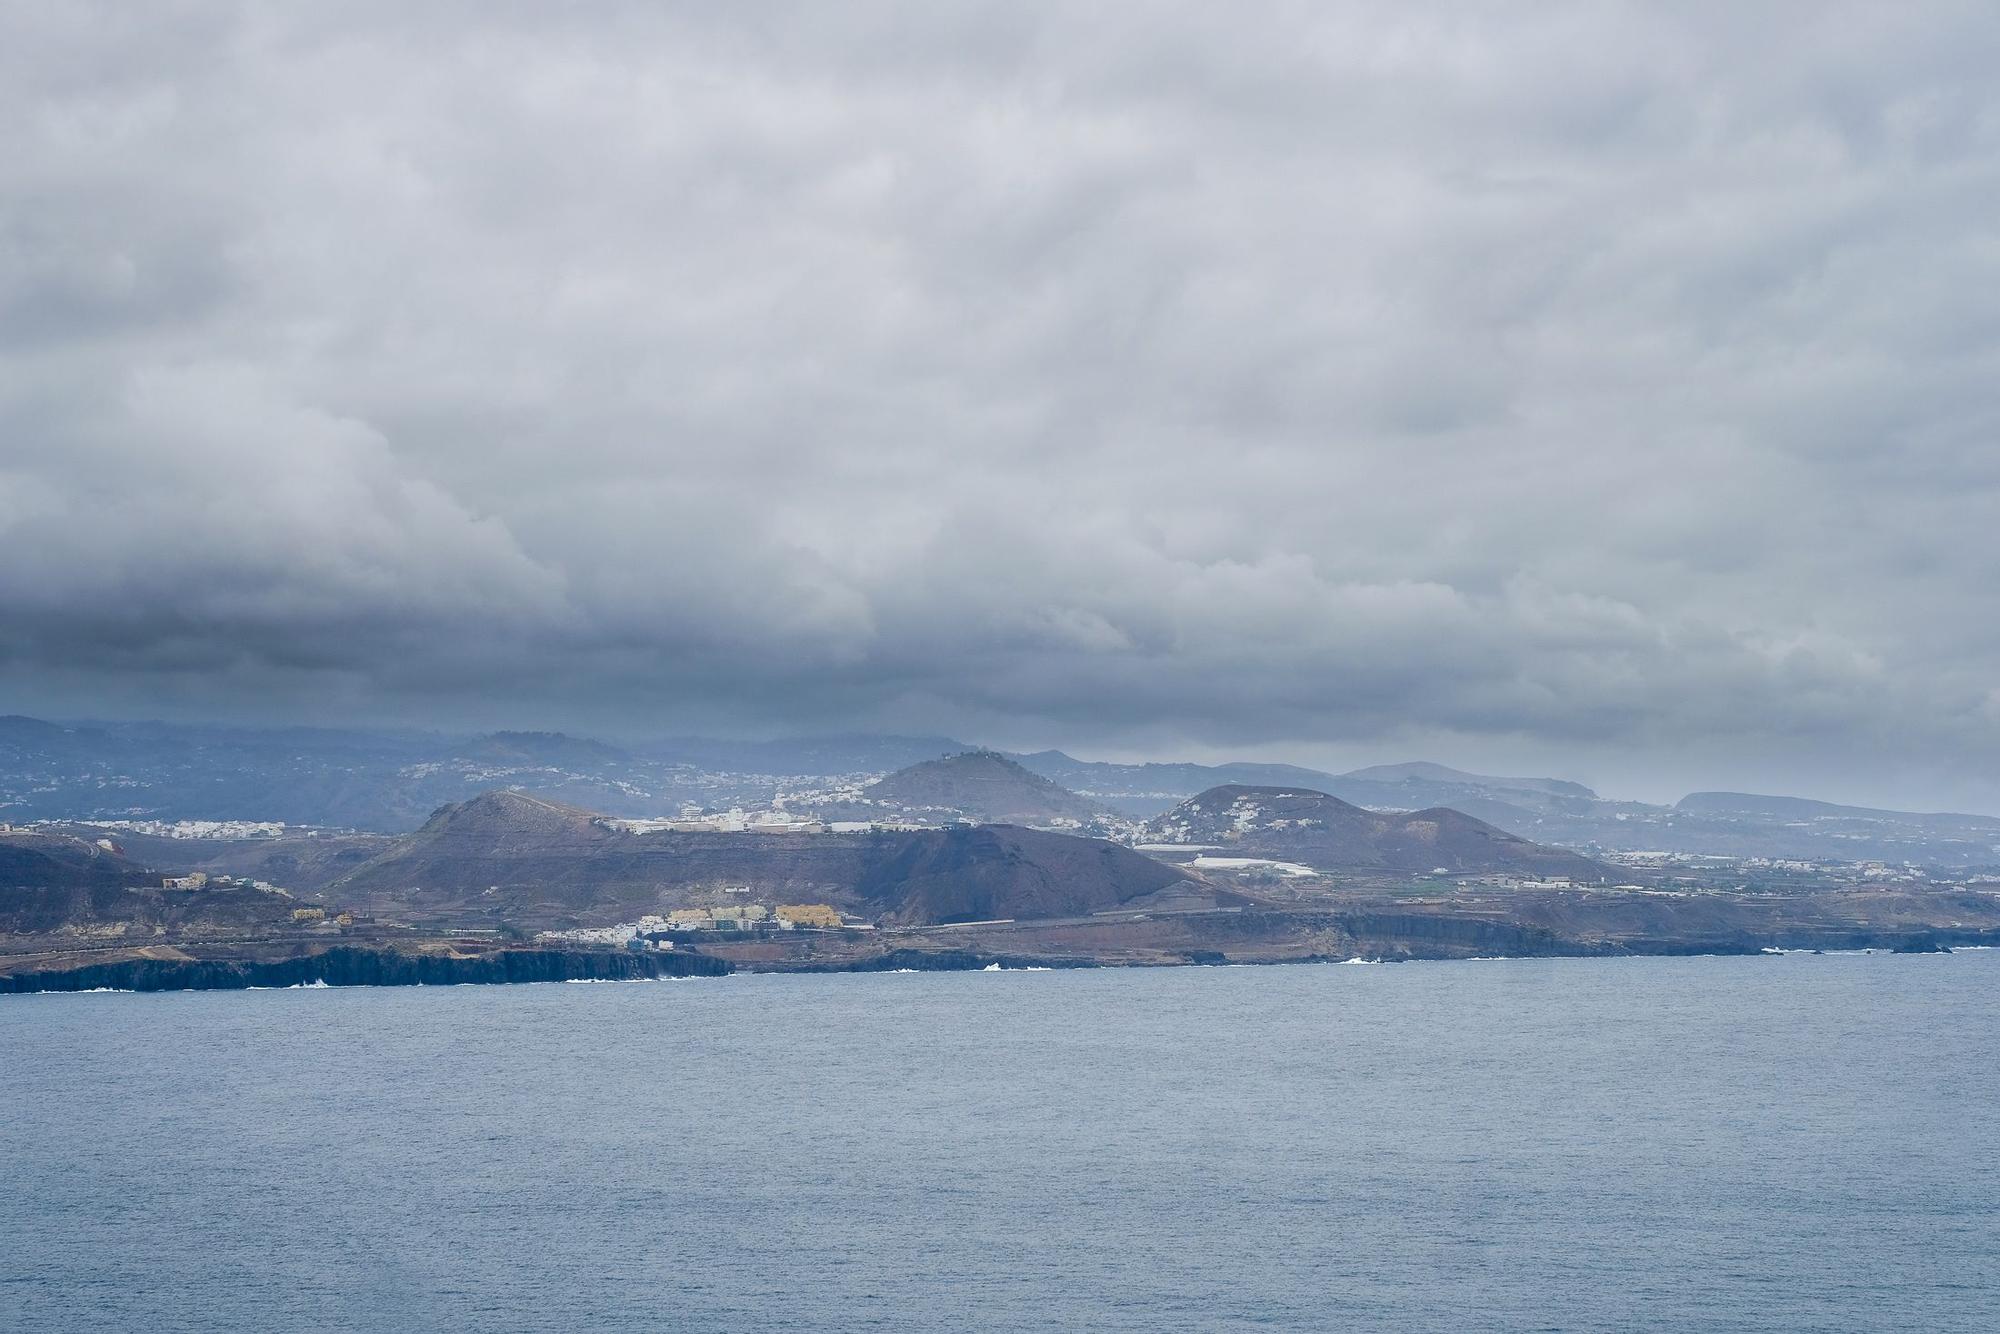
[[808, 914]]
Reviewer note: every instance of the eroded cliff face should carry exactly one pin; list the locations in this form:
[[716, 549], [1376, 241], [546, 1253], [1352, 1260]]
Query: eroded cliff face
[[348, 967]]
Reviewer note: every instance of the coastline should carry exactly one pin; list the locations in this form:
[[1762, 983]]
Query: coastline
[[374, 966], [346, 966]]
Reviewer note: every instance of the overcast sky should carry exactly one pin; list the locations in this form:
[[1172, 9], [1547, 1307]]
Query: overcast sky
[[1611, 391]]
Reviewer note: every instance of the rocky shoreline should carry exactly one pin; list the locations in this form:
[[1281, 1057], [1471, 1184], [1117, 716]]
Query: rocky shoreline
[[349, 967], [1241, 939]]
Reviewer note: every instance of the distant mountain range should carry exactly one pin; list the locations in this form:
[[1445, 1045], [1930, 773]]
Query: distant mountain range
[[852, 753], [1566, 814], [1148, 789], [548, 750], [1424, 772], [389, 782]]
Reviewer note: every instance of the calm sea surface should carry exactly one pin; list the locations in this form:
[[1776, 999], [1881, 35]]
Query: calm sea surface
[[1693, 1144]]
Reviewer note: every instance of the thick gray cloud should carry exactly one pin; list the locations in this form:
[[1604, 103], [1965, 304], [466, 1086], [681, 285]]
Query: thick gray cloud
[[1608, 389]]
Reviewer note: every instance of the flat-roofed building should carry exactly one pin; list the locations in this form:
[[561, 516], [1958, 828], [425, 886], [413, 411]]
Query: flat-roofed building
[[809, 914]]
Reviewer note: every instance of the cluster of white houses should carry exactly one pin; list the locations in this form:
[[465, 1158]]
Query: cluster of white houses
[[737, 821], [654, 931], [202, 880]]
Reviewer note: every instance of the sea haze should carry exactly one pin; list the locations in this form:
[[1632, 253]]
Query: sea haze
[[1775, 1143]]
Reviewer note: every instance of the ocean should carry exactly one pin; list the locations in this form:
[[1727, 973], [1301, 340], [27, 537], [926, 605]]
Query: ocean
[[1778, 1143]]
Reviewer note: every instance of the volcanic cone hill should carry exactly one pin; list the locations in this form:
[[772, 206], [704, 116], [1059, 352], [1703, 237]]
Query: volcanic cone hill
[[1002, 871], [514, 858], [505, 854], [983, 786], [1297, 824]]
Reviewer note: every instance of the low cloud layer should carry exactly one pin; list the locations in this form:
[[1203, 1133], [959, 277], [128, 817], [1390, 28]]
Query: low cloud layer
[[1609, 389]]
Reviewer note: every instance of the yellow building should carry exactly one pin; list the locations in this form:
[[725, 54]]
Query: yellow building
[[808, 914]]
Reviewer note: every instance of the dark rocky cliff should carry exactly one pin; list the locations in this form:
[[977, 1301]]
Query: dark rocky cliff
[[346, 967]]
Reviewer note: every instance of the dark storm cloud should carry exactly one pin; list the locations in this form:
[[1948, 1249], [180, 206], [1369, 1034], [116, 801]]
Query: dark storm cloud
[[1571, 383]]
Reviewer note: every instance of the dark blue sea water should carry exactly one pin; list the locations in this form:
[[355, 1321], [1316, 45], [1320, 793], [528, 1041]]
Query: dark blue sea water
[[1693, 1144]]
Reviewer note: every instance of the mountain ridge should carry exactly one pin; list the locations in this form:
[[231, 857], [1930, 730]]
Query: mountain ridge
[[1329, 834], [386, 782]]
